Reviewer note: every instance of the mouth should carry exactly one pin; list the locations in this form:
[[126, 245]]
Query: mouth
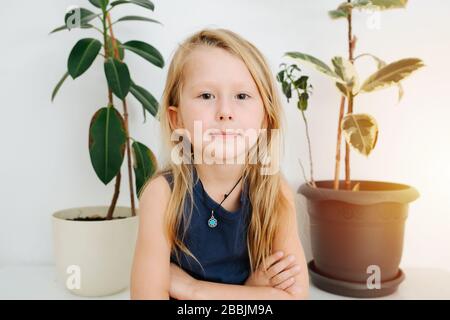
[[225, 134]]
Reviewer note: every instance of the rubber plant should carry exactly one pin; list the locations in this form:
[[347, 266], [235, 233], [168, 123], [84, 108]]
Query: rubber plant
[[360, 130], [109, 138]]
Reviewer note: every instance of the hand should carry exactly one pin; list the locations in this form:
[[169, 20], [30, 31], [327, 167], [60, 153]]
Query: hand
[[280, 273], [181, 283]]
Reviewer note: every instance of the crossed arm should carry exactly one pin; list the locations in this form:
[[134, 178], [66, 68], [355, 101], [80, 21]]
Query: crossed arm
[[154, 277]]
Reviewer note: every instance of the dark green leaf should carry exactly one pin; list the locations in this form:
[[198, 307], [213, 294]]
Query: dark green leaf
[[78, 17], [287, 90], [143, 113], [280, 76], [303, 101], [84, 26], [138, 18], [295, 67], [96, 3], [144, 164], [145, 98], [146, 51], [102, 4], [143, 3], [301, 82], [59, 84], [118, 77], [107, 138], [82, 56]]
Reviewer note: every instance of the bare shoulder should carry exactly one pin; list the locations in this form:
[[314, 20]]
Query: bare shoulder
[[287, 191], [288, 215], [157, 190]]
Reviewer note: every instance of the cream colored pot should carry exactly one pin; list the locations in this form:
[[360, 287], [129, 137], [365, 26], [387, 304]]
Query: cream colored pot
[[94, 258]]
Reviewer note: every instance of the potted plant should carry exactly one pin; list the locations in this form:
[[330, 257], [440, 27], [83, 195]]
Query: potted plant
[[94, 246], [356, 226]]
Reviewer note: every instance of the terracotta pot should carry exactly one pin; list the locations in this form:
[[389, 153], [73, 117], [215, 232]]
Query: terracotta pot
[[352, 231]]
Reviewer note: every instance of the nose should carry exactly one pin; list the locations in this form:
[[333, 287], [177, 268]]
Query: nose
[[225, 116], [224, 112]]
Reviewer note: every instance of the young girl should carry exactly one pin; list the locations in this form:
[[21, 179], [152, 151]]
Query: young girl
[[211, 225]]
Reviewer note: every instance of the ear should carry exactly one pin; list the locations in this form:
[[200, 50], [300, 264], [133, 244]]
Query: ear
[[174, 117]]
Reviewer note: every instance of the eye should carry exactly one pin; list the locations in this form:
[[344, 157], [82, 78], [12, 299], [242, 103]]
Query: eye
[[206, 96], [242, 96]]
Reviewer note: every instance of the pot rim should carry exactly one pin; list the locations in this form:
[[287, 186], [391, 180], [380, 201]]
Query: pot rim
[[401, 193], [55, 216]]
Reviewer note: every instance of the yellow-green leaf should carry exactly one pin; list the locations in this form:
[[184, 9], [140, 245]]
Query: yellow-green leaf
[[347, 72], [391, 74], [360, 131], [388, 4], [342, 88], [316, 63], [380, 64]]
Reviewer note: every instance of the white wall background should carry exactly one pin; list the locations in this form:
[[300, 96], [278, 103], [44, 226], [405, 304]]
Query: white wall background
[[45, 163]]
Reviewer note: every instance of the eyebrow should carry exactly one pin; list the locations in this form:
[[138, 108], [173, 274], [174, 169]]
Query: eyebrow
[[215, 84], [203, 84]]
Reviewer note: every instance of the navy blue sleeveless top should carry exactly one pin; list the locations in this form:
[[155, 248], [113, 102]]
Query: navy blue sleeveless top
[[222, 251]]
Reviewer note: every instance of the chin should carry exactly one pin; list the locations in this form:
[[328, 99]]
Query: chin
[[233, 152]]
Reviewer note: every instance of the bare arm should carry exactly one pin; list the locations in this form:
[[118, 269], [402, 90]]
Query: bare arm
[[211, 290], [287, 240], [150, 278], [185, 287]]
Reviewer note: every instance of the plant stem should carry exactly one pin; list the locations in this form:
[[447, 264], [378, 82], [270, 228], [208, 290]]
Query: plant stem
[[307, 134], [351, 48], [309, 149], [115, 197], [125, 116], [112, 206], [338, 145]]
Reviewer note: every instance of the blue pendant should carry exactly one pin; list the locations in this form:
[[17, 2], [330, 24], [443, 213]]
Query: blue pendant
[[212, 222]]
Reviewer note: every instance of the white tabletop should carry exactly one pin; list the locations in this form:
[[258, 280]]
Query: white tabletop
[[39, 282]]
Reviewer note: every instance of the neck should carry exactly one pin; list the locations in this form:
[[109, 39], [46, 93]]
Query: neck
[[218, 179], [221, 175]]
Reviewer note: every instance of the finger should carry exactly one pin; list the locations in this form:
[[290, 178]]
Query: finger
[[294, 289], [286, 284], [284, 275], [280, 266], [270, 260]]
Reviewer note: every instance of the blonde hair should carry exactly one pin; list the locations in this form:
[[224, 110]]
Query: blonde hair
[[265, 194]]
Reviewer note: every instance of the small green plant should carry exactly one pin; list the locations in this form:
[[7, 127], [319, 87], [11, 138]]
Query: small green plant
[[360, 130], [109, 138], [291, 79]]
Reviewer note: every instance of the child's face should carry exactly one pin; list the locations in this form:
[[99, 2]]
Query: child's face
[[219, 96]]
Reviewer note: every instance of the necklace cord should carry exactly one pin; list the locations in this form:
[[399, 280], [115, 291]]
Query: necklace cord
[[225, 195]]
